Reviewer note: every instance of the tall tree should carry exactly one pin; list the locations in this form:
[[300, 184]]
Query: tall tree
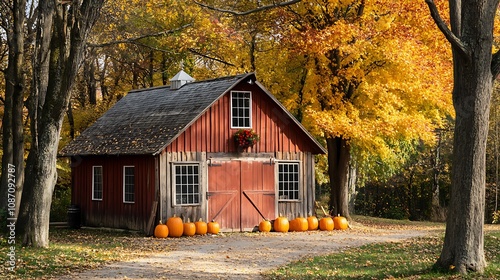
[[62, 32], [474, 69], [362, 84], [13, 21]]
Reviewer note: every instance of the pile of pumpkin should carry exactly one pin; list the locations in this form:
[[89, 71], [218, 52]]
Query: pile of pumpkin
[[175, 227], [282, 224]]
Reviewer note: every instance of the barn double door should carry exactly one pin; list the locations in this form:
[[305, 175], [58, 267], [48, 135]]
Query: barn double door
[[240, 193]]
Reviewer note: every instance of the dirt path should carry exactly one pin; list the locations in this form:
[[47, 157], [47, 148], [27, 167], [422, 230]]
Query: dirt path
[[240, 255]]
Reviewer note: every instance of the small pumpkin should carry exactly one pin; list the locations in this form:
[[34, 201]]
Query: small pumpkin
[[175, 226], [312, 223], [265, 226], [301, 224], [340, 223], [189, 228], [213, 227], [161, 230], [326, 223], [201, 227], [281, 224]]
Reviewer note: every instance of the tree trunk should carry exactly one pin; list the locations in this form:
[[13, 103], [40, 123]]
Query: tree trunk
[[7, 145], [64, 56], [13, 129], [338, 169], [71, 121], [90, 81], [352, 186], [42, 179], [471, 38], [438, 213]]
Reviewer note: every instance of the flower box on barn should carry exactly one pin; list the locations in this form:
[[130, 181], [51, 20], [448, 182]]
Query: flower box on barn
[[171, 150]]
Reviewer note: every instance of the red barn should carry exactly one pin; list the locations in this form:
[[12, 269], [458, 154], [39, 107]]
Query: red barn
[[171, 150]]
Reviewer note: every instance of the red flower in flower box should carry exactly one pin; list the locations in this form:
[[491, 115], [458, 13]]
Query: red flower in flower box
[[245, 138]]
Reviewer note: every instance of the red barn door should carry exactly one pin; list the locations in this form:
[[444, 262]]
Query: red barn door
[[240, 193]]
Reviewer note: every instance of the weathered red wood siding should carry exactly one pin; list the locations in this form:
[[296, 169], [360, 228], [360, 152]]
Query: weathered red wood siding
[[212, 132], [111, 211]]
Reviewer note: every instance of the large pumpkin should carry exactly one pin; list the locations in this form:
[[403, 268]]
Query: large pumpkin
[[326, 223], [340, 223], [292, 225], [281, 224], [201, 227], [175, 226], [213, 227], [301, 224], [189, 228], [161, 230], [265, 226], [312, 223]]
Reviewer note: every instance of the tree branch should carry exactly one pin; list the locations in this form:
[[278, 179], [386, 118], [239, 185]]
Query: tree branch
[[133, 40], [495, 64], [209, 57], [454, 40], [256, 10]]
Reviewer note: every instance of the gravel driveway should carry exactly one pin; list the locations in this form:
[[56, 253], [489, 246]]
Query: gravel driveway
[[240, 255]]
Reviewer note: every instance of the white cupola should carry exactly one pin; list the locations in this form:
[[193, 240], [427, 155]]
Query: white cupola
[[180, 79]]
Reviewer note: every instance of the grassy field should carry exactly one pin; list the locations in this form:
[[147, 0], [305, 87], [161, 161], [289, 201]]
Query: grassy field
[[75, 250], [410, 259]]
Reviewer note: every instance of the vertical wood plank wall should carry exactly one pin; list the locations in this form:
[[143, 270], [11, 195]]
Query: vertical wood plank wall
[[111, 211], [167, 187], [212, 132]]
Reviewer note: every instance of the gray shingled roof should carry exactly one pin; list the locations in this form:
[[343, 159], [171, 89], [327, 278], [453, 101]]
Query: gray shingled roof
[[146, 121]]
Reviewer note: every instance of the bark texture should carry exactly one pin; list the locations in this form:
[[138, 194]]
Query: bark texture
[[339, 155], [471, 38], [57, 62], [12, 122]]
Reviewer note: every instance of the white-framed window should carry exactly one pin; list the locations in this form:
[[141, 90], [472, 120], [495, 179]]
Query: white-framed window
[[241, 109], [97, 182], [186, 180], [288, 181], [128, 184]]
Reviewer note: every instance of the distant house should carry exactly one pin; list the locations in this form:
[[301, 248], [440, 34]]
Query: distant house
[[170, 150]]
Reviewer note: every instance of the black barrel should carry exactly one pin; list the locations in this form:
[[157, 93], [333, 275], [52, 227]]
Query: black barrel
[[74, 217]]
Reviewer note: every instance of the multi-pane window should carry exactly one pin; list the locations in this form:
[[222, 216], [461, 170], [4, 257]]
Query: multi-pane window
[[97, 182], [288, 180], [128, 184], [241, 109], [187, 184]]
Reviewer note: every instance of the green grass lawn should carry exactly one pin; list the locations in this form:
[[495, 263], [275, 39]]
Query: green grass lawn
[[410, 259]]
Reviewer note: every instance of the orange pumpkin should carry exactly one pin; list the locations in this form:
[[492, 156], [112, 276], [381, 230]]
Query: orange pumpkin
[[312, 223], [292, 225], [300, 224], [201, 227], [213, 227], [281, 224], [161, 230], [326, 223], [175, 226], [340, 223], [189, 228], [265, 226]]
